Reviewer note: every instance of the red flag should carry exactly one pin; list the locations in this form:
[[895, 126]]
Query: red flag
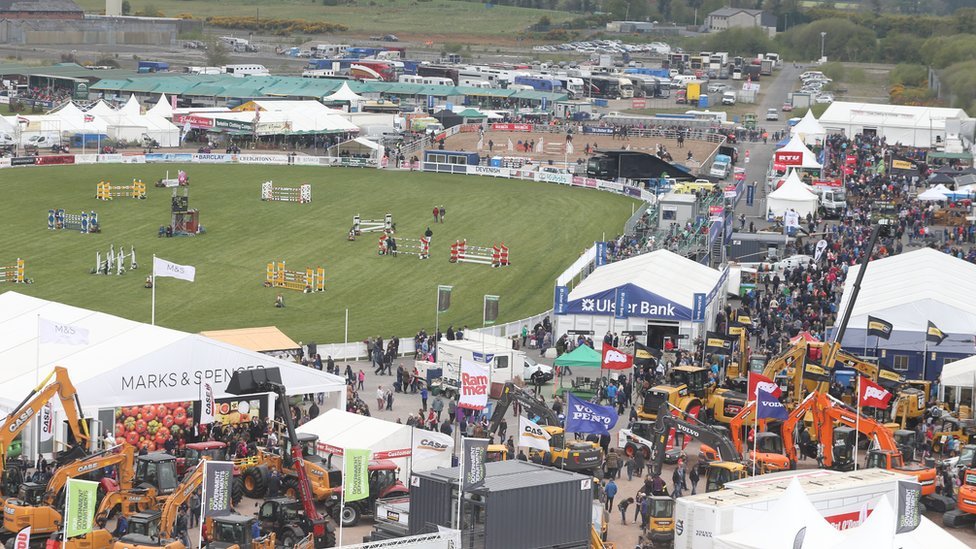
[[763, 383], [89, 118], [873, 394], [615, 359]]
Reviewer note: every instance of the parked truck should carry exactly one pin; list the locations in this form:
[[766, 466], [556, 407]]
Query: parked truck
[[840, 498], [506, 363]]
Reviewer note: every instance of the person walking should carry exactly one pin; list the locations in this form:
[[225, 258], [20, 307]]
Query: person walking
[[362, 379], [437, 212], [639, 463], [451, 409], [423, 398], [611, 464], [629, 465], [437, 406], [442, 211], [611, 492], [380, 398], [693, 476], [181, 527], [678, 479]]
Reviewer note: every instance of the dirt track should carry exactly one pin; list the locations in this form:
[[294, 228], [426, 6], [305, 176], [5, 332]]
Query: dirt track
[[554, 145]]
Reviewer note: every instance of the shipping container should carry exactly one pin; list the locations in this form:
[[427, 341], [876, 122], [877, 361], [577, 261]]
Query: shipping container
[[520, 505]]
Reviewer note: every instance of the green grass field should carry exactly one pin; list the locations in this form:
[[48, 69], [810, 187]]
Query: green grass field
[[434, 18], [546, 226]]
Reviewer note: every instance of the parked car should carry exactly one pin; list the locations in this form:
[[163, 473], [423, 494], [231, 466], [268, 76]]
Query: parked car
[[787, 107], [717, 88], [772, 114], [824, 98]]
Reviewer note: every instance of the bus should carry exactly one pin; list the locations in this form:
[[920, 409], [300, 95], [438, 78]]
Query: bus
[[367, 69], [610, 87]]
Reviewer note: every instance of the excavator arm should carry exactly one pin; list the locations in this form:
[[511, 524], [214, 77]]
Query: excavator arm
[[744, 417], [530, 405], [180, 496], [797, 416], [833, 410], [29, 408], [665, 422], [122, 455]]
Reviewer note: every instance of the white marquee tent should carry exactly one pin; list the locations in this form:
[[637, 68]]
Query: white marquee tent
[[910, 289], [345, 95], [796, 145], [658, 290], [909, 125], [127, 362], [809, 129], [935, 194], [792, 194], [338, 430], [162, 108]]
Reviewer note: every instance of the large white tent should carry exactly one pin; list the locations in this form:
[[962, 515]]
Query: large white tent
[[127, 363], [809, 129], [657, 292], [905, 124], [793, 194], [338, 430], [795, 154], [345, 95], [910, 289], [935, 194], [163, 108]]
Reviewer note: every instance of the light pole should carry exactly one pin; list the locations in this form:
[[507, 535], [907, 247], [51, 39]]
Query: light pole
[[823, 36]]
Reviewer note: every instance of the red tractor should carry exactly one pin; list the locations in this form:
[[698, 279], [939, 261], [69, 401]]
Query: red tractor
[[383, 483], [216, 451]]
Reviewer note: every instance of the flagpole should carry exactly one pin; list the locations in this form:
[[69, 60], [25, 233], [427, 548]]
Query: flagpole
[[460, 482], [857, 422], [342, 498], [925, 356], [203, 508], [152, 320], [437, 314], [755, 437], [67, 513]]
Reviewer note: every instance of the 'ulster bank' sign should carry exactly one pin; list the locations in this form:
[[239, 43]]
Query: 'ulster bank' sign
[[632, 301]]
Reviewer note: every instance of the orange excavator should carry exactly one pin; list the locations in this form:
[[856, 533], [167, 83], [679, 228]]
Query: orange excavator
[[36, 505], [11, 473], [965, 511], [803, 412], [769, 453]]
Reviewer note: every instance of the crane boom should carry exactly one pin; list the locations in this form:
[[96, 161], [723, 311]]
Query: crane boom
[[665, 422], [532, 406]]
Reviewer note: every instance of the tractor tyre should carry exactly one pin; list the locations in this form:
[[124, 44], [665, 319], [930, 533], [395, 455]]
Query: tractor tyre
[[350, 515], [236, 490], [291, 535], [289, 488], [256, 481]]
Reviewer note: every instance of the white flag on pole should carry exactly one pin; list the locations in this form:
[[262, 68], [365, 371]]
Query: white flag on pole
[[161, 267], [511, 147], [540, 146], [207, 405], [49, 331], [531, 435], [569, 147]]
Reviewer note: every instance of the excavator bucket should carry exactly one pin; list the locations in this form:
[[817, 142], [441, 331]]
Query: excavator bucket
[[246, 382]]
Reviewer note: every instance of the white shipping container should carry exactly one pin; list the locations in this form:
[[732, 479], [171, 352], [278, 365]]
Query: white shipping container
[[838, 496]]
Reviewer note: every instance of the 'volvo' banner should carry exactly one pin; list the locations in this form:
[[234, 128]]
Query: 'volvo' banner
[[639, 303]]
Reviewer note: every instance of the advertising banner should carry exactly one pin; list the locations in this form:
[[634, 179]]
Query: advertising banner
[[474, 451], [55, 159], [511, 127], [640, 303], [133, 159], [214, 158], [86, 158], [217, 479], [23, 161], [169, 157], [79, 507], [474, 385], [109, 158], [560, 178], [532, 436], [355, 472], [489, 170], [788, 158], [585, 417], [262, 159], [597, 130], [560, 299]]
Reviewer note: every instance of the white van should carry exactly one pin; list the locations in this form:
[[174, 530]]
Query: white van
[[728, 97], [682, 80]]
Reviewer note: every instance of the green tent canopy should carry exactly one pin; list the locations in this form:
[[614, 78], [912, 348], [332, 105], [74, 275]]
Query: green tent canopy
[[583, 356]]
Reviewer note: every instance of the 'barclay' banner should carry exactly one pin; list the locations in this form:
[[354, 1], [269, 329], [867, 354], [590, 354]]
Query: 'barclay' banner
[[586, 417], [635, 302]]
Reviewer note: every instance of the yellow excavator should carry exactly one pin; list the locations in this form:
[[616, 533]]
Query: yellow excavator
[[691, 392], [36, 505], [155, 528], [12, 472]]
